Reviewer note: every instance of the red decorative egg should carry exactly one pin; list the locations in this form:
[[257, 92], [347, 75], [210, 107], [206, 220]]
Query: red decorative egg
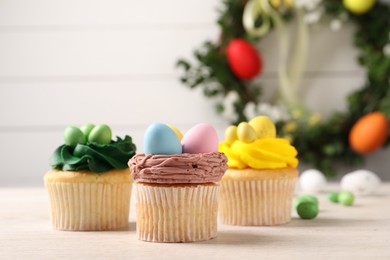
[[243, 59]]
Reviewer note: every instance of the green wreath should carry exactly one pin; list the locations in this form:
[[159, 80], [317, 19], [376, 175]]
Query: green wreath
[[320, 142]]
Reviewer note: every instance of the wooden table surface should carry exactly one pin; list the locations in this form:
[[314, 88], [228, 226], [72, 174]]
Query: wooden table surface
[[361, 230]]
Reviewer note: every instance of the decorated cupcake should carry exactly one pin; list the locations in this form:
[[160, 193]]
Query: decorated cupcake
[[89, 185], [258, 187], [176, 184]]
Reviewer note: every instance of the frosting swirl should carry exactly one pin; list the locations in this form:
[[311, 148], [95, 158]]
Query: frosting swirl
[[97, 158], [178, 168], [263, 153]]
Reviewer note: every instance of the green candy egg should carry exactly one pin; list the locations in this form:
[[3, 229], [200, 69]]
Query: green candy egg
[[100, 134], [346, 198], [333, 197], [73, 136], [86, 129], [305, 198], [307, 210]]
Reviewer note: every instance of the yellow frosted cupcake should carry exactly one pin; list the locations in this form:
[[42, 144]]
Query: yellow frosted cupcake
[[89, 185], [258, 187], [177, 184]]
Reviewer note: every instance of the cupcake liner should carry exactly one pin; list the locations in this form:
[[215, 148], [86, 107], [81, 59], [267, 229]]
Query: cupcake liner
[[176, 213], [256, 202], [89, 206]]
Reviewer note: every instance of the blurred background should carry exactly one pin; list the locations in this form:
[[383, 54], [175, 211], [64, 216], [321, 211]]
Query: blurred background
[[113, 62]]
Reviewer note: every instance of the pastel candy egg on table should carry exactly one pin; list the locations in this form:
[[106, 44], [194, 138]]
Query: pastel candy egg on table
[[346, 198], [305, 198], [201, 138], [312, 181], [360, 182], [306, 206], [161, 139], [333, 197], [307, 210]]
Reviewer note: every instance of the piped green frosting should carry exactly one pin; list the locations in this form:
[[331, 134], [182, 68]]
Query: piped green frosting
[[97, 158]]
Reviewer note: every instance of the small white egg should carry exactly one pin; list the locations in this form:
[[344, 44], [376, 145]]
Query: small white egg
[[360, 182], [312, 181]]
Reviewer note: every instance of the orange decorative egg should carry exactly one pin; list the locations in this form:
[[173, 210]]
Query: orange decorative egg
[[369, 133]]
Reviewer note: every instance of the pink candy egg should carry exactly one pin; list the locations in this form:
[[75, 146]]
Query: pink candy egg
[[201, 138]]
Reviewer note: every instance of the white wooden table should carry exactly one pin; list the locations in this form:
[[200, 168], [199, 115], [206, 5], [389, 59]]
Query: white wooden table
[[345, 232]]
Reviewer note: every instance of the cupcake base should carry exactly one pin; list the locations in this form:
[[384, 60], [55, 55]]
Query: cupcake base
[[176, 213], [87, 201], [257, 197]]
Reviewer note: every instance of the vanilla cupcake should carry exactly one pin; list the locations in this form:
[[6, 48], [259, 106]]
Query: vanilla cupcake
[[89, 185], [176, 184], [258, 187]]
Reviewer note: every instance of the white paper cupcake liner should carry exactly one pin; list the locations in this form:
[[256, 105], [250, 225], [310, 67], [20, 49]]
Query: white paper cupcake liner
[[89, 206], [176, 213], [256, 202]]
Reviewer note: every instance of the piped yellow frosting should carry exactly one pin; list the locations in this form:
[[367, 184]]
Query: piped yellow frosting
[[262, 153]]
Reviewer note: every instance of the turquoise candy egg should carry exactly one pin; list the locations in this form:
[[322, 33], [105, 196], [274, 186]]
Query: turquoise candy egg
[[73, 136], [100, 134], [161, 139]]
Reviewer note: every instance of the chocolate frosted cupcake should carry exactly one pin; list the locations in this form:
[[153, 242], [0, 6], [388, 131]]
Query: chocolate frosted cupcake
[[177, 193], [90, 185]]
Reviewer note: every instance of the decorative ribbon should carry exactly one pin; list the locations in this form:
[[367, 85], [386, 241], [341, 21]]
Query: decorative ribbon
[[252, 11], [290, 72]]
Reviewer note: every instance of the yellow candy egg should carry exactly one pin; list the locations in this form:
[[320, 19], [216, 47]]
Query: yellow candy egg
[[177, 131], [263, 126], [246, 133], [359, 6], [231, 134]]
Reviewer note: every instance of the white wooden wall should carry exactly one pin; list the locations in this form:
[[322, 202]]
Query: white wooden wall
[[113, 61]]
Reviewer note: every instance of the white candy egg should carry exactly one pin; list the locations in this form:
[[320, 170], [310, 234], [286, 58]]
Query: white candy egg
[[360, 182], [312, 181]]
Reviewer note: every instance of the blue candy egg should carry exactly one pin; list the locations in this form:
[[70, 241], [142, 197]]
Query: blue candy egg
[[161, 139]]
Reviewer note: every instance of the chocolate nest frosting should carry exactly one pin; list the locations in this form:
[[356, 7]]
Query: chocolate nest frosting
[[178, 168]]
